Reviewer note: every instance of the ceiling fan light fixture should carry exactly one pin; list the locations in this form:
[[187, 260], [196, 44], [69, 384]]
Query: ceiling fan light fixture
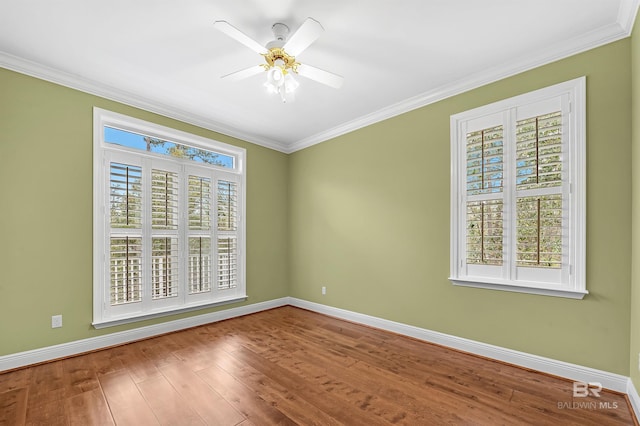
[[275, 80], [270, 88], [290, 83], [280, 81], [275, 77], [280, 57]]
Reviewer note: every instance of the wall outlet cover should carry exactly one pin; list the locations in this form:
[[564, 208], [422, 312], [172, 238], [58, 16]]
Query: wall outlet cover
[[56, 321]]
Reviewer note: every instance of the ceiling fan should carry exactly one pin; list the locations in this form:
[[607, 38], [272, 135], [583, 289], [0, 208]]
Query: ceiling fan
[[280, 57]]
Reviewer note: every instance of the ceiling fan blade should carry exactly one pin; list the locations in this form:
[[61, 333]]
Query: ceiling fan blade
[[308, 32], [245, 73], [321, 76], [238, 35]]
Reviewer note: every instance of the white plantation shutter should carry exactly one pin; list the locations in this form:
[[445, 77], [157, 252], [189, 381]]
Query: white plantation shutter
[[539, 231], [539, 207], [484, 232], [168, 232], [164, 199], [227, 249], [199, 203], [125, 190], [200, 255], [125, 269], [200, 271], [485, 163], [125, 243], [539, 151], [518, 193], [164, 267], [227, 262], [165, 261], [227, 205]]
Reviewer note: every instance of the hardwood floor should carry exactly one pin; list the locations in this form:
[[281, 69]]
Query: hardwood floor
[[290, 366]]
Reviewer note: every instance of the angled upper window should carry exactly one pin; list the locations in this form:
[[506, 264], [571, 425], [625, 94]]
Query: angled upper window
[[133, 140], [518, 193], [169, 231]]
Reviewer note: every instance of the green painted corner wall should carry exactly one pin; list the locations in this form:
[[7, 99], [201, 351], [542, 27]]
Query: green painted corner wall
[[369, 216], [634, 354], [366, 215], [46, 214]]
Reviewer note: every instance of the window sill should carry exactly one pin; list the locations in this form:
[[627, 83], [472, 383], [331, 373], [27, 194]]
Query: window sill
[[531, 288], [151, 315]]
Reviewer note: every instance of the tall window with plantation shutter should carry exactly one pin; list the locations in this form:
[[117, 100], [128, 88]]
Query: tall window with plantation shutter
[[125, 233], [200, 201], [227, 192], [518, 193], [168, 221], [484, 162]]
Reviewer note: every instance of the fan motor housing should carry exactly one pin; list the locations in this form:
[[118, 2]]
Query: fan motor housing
[[278, 54]]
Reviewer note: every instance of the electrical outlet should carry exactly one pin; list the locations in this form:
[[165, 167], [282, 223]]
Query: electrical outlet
[[639, 362], [324, 290], [56, 321]]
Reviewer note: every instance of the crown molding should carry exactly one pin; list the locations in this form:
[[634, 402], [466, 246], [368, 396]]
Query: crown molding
[[627, 15], [91, 87], [599, 37]]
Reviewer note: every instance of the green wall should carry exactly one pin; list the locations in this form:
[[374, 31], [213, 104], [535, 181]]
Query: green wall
[[634, 354], [369, 218], [366, 215], [46, 213]]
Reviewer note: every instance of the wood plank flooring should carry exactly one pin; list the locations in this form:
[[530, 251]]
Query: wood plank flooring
[[289, 366]]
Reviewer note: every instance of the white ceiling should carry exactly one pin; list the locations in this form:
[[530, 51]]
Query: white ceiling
[[166, 57]]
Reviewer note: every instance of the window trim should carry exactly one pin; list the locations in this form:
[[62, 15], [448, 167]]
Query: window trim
[[576, 287], [102, 118]]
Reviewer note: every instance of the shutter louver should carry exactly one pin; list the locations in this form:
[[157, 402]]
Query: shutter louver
[[539, 151], [199, 203], [125, 251], [485, 164], [164, 267], [484, 232], [199, 265], [164, 200], [227, 206], [199, 258], [125, 196], [539, 231], [539, 171], [227, 262], [485, 161], [125, 269]]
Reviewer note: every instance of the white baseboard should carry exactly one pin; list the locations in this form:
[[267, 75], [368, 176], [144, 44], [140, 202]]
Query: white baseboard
[[634, 399], [567, 370], [35, 356]]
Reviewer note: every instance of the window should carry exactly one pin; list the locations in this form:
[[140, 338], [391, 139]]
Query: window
[[168, 221], [518, 193]]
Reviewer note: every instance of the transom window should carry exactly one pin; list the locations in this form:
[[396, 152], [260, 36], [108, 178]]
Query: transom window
[[517, 193], [168, 220], [141, 142]]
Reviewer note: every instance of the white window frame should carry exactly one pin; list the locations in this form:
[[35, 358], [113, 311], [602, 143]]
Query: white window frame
[[572, 283], [105, 315]]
